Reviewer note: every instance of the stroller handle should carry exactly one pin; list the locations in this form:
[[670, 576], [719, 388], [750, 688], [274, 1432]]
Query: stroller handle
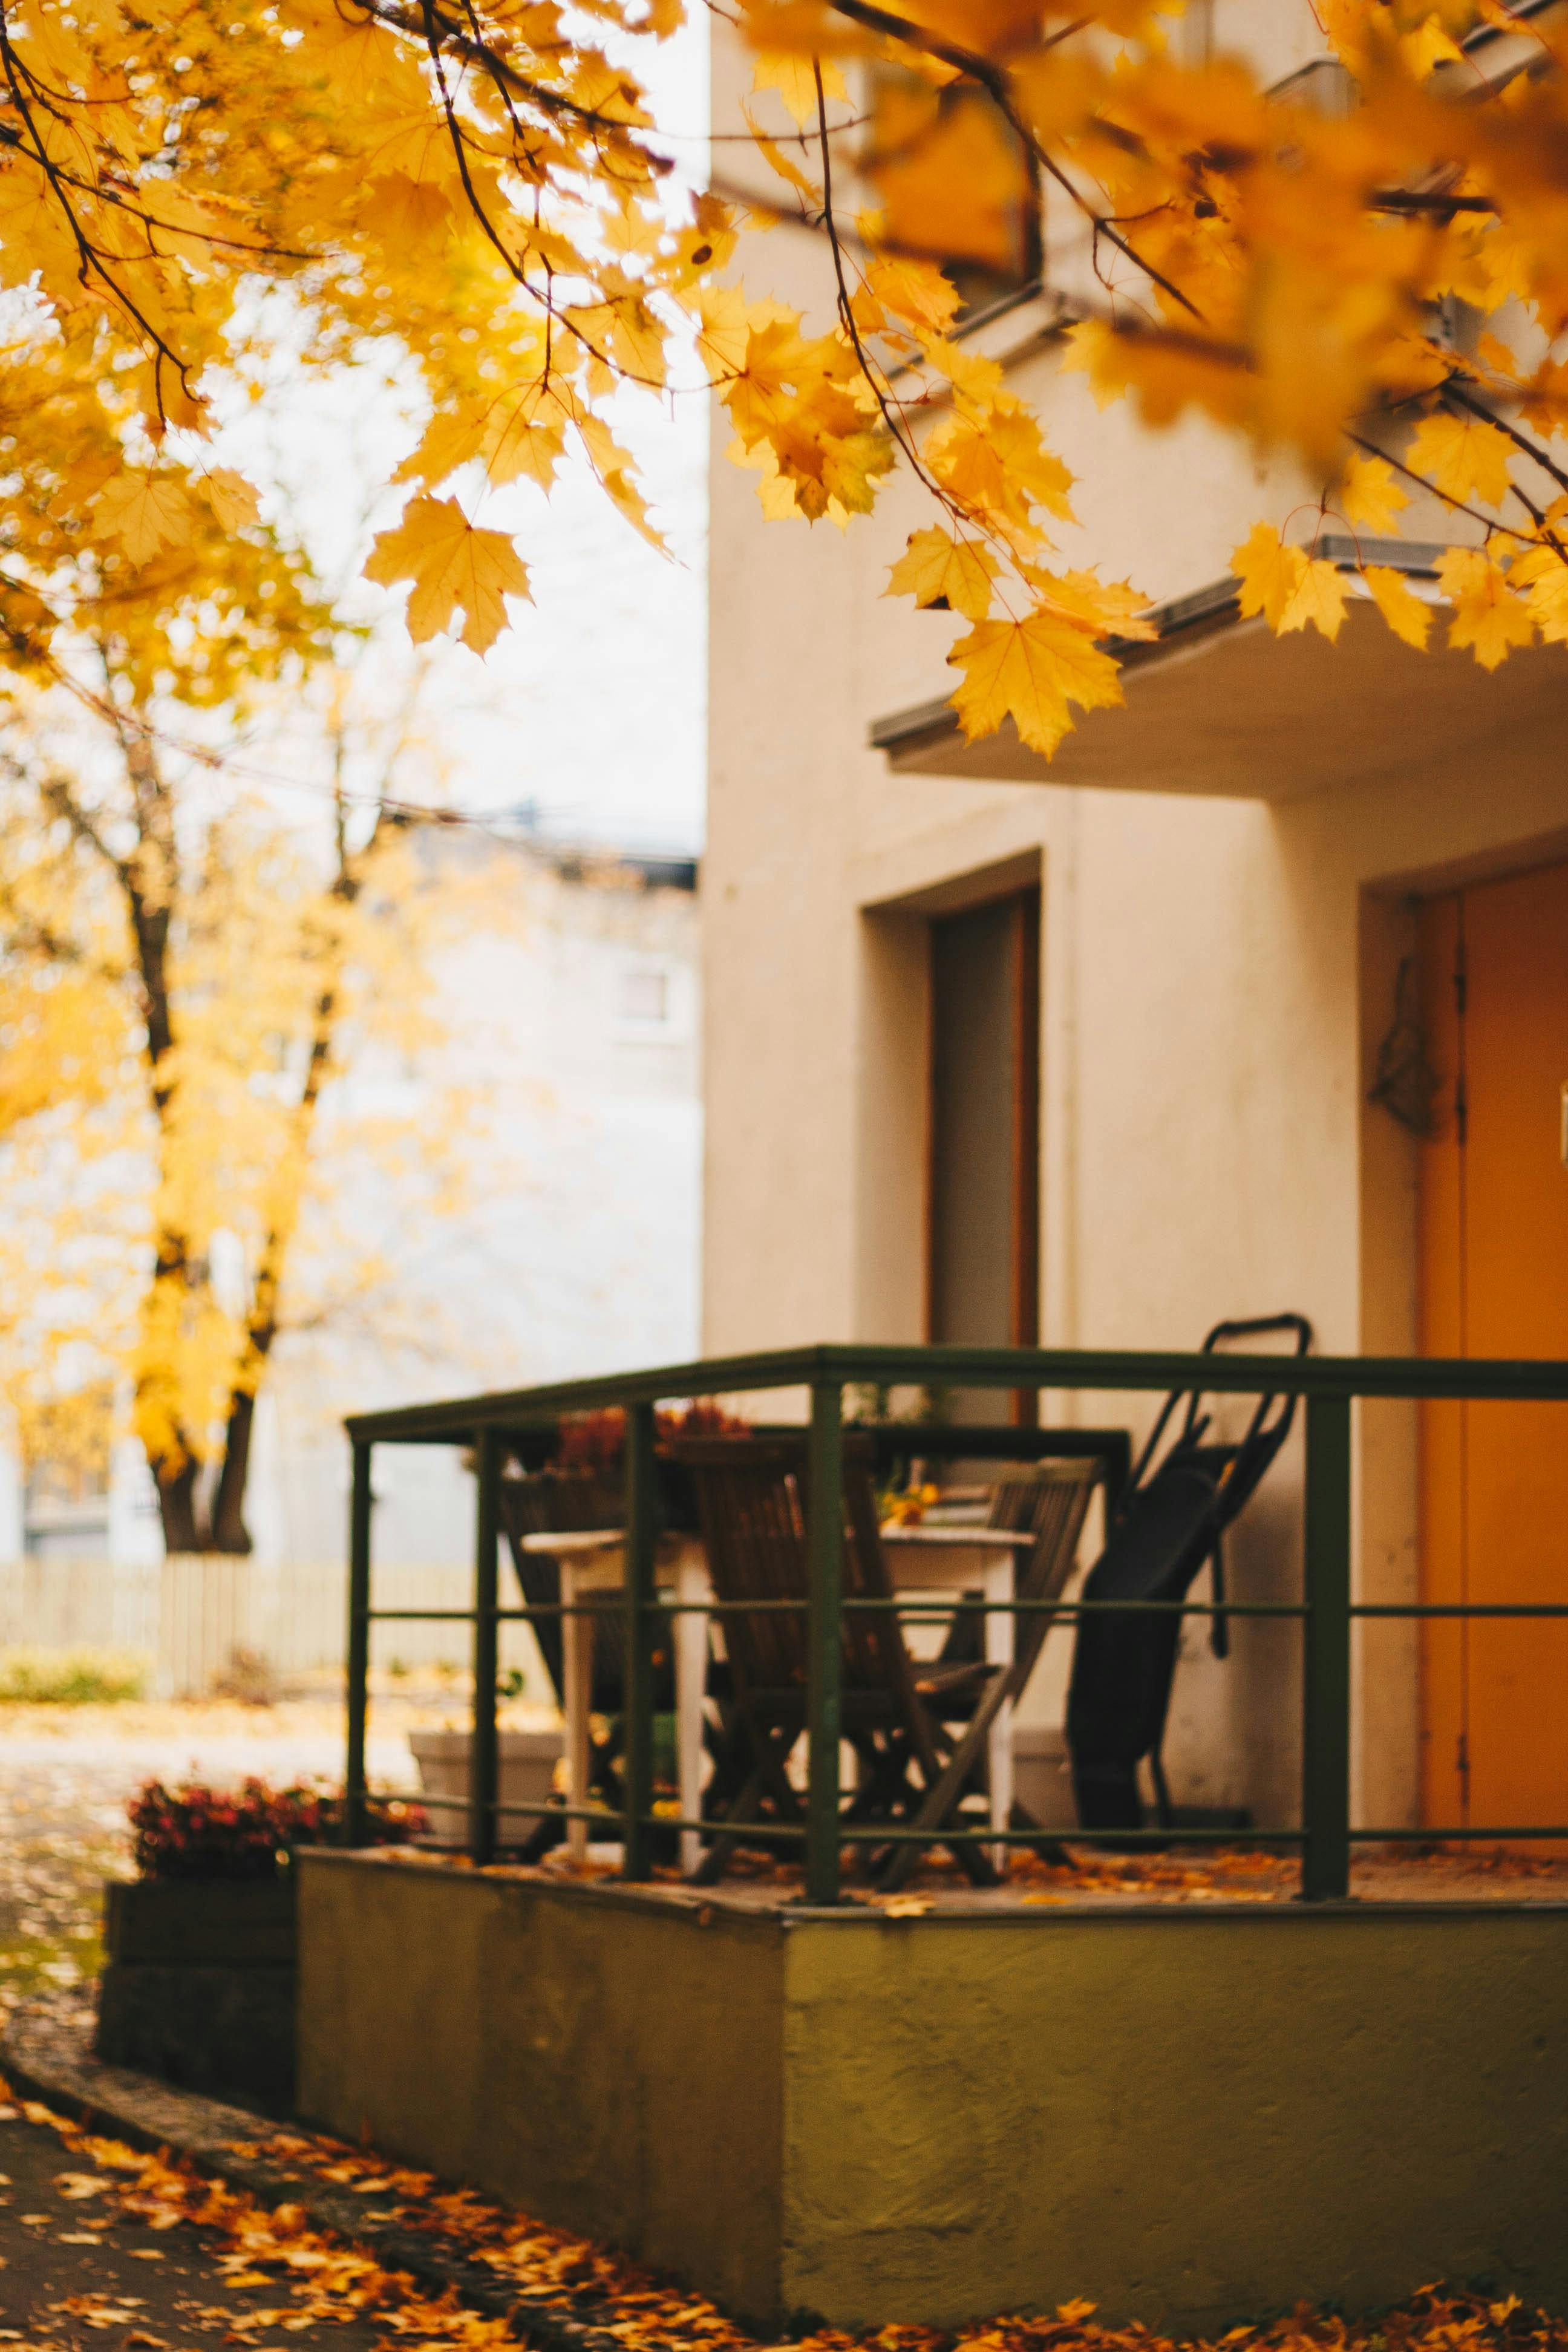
[[1256, 1326], [1194, 1421]]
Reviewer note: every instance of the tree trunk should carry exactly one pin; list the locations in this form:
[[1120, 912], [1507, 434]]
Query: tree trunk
[[228, 1532], [177, 1506]]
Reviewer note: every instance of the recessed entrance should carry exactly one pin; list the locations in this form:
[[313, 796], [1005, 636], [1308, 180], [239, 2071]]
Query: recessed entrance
[[983, 1282], [1494, 1282]]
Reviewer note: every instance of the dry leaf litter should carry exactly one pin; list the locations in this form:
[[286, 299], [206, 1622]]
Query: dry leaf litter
[[315, 2280]]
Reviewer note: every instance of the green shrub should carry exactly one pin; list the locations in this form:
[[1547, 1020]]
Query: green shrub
[[71, 1678]]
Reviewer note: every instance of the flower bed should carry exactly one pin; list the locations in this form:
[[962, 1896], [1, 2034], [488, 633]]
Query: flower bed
[[200, 1983], [195, 1831]]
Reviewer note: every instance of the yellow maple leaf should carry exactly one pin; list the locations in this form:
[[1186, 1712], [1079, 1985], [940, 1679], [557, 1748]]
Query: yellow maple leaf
[[781, 163], [144, 512], [722, 339], [995, 462], [231, 498], [1371, 497], [1269, 573], [1487, 615], [792, 79], [1542, 577], [1030, 671], [1406, 615], [450, 563], [1499, 356], [404, 211], [1106, 607], [1462, 456], [913, 291], [945, 573], [950, 177], [1318, 599]]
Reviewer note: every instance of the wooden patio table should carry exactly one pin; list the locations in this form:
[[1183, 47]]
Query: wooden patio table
[[939, 1561]]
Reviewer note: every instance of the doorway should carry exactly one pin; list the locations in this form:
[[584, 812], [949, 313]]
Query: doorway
[[983, 1194], [1494, 1282]]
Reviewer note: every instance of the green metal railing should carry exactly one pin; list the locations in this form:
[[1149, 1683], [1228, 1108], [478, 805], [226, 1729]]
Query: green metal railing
[[1328, 1385]]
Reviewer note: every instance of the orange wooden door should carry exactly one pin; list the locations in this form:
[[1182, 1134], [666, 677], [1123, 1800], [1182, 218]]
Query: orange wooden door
[[1494, 1268]]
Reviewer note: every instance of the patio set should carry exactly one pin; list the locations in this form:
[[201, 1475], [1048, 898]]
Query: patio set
[[958, 1545]]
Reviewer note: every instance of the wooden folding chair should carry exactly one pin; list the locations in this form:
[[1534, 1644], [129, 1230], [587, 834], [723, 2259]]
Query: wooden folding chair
[[565, 1501], [751, 1497], [1050, 1502]]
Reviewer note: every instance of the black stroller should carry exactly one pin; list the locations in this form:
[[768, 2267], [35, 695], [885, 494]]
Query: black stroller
[[1172, 1517]]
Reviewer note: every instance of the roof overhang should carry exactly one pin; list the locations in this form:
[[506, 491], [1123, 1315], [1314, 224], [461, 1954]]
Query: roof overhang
[[1218, 705]]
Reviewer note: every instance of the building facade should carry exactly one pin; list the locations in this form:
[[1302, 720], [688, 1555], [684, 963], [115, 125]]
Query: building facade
[[1172, 1029]]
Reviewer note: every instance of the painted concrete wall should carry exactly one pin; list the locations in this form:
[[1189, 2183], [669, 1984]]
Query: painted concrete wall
[[606, 2066], [1215, 976], [1188, 2117]]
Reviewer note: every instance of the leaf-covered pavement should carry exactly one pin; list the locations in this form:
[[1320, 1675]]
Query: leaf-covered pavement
[[83, 2266], [104, 2246], [61, 1836]]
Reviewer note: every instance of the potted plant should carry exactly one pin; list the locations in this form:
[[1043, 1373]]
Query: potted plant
[[199, 1983]]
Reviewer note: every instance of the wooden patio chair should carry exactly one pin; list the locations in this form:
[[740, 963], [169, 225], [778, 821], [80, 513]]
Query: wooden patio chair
[[1050, 1501], [751, 1496]]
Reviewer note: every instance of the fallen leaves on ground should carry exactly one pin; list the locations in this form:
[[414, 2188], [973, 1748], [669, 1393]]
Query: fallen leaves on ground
[[319, 2279]]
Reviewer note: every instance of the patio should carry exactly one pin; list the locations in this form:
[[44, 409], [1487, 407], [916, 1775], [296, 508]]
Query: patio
[[906, 2063]]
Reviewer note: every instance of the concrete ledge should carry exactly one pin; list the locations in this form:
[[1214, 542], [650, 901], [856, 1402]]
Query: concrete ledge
[[1190, 2115]]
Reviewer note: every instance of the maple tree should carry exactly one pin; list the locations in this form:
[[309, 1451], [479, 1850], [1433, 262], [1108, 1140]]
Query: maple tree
[[483, 188], [184, 970]]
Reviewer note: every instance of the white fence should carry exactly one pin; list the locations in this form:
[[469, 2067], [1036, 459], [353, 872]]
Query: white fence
[[191, 1612]]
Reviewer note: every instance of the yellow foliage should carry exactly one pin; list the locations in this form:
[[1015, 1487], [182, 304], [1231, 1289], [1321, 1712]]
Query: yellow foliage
[[452, 564], [179, 966], [144, 512], [1316, 600], [796, 82], [945, 573], [1406, 615], [1030, 671], [1487, 615], [1269, 573], [1371, 497], [484, 193], [1463, 457]]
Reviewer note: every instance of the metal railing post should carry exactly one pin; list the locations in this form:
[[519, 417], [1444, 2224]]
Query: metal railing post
[[484, 1776], [825, 1555], [1326, 1749], [636, 1762], [360, 1498]]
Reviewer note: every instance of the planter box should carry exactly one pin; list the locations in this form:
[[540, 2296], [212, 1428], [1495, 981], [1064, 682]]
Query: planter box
[[528, 1767], [199, 1986]]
